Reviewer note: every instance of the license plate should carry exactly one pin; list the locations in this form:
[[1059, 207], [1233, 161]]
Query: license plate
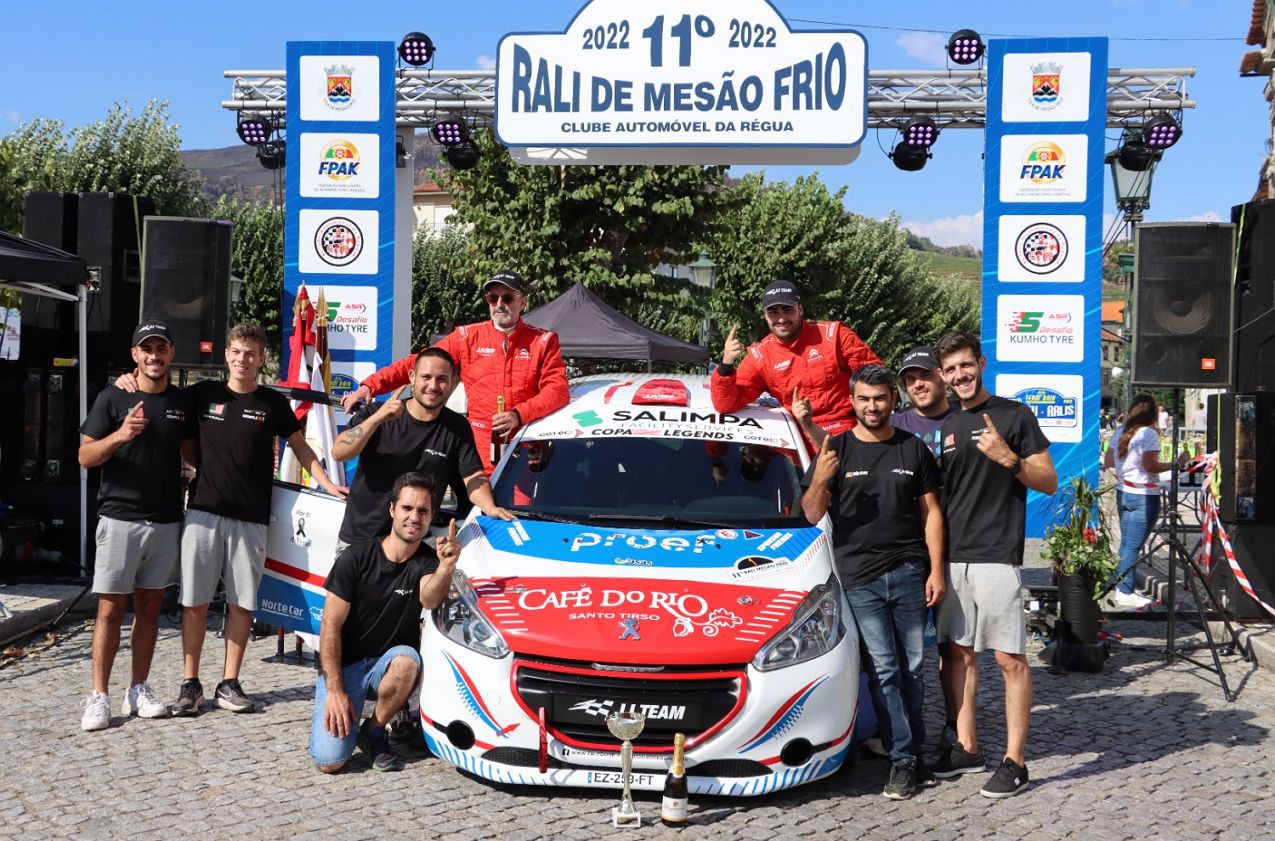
[[615, 778], [583, 710]]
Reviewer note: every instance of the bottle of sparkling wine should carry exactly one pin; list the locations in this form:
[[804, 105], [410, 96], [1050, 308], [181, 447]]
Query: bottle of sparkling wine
[[673, 806], [495, 439]]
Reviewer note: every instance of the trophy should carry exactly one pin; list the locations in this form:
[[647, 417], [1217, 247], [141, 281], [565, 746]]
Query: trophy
[[626, 726]]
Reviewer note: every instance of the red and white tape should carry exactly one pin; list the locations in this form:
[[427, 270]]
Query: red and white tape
[[1213, 523]]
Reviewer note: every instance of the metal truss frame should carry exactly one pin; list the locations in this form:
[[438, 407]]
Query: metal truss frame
[[953, 98]]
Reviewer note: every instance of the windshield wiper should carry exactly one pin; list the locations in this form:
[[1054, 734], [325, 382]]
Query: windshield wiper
[[668, 520], [533, 514]]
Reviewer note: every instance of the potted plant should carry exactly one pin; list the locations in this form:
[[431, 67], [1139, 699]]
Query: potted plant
[[1079, 544]]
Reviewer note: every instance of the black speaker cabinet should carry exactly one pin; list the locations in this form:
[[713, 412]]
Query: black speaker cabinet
[[1182, 311], [186, 283], [1255, 296], [1252, 543], [1246, 457], [50, 218], [109, 239]]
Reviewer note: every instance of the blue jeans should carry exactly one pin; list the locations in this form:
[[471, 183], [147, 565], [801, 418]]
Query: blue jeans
[[890, 614], [361, 678], [1138, 514]]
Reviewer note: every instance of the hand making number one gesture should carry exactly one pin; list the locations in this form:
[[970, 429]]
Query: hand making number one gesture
[[994, 446], [826, 463], [448, 547], [733, 349], [393, 407]]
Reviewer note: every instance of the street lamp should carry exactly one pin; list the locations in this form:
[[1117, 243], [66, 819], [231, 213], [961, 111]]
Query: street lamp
[[703, 274], [1132, 165]]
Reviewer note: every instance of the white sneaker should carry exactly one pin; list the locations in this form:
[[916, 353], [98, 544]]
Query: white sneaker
[[97, 711], [1132, 601], [141, 700]]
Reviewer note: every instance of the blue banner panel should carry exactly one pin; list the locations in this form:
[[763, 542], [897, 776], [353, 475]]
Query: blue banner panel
[[339, 220], [1042, 242]]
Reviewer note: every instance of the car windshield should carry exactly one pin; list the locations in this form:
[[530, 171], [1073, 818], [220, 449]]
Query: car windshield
[[653, 482]]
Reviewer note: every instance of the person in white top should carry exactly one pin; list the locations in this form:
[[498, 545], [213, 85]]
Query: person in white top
[[1135, 455]]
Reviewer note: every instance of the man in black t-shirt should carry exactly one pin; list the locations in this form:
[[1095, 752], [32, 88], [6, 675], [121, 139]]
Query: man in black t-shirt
[[993, 452], [371, 627], [881, 486], [136, 439], [415, 433]]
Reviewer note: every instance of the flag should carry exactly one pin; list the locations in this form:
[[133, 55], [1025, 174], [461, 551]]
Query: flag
[[308, 367]]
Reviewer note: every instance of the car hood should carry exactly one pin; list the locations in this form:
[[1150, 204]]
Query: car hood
[[633, 596]]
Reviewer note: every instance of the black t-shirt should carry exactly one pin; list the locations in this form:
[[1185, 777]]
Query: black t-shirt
[[142, 480], [236, 448], [875, 507], [384, 597], [985, 505], [442, 448]]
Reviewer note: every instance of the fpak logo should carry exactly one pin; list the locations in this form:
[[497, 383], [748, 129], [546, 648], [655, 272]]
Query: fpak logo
[[1044, 169], [345, 164], [339, 161], [1043, 164]]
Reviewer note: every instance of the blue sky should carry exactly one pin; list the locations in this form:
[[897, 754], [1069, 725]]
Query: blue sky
[[71, 59]]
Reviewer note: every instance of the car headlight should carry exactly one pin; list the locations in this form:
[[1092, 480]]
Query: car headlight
[[459, 619], [815, 630]]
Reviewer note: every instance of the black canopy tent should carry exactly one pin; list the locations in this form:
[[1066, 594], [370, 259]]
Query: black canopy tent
[[33, 268], [589, 328]]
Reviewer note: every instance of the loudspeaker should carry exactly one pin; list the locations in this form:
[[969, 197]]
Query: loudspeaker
[[50, 218], [1255, 296], [109, 238], [186, 283], [61, 431], [1182, 311], [1246, 457], [1252, 544]]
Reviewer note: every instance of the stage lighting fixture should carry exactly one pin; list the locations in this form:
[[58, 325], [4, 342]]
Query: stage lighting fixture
[[450, 131], [965, 47], [910, 158], [1134, 154], [254, 131], [416, 49], [272, 154], [920, 131], [463, 155], [1161, 131]]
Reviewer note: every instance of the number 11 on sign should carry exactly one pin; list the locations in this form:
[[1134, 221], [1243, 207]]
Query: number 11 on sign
[[682, 31]]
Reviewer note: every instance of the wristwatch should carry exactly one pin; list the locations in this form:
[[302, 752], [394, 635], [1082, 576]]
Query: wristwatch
[[1018, 466]]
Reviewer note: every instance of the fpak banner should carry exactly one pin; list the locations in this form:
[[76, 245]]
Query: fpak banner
[[1042, 242], [339, 218]]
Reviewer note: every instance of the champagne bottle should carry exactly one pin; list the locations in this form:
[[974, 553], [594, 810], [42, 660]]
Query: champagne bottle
[[673, 806], [495, 438]]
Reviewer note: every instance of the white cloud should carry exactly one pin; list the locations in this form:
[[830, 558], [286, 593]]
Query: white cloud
[[486, 62], [966, 229], [1208, 216], [923, 46], [13, 117]]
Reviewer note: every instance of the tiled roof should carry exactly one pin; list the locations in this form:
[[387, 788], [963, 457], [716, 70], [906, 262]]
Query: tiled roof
[[1113, 312], [1257, 24]]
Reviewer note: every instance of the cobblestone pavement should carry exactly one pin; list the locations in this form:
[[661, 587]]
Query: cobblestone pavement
[[1143, 750]]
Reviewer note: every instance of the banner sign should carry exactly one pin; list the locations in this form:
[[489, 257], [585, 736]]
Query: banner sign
[[709, 82], [339, 216], [1042, 242]]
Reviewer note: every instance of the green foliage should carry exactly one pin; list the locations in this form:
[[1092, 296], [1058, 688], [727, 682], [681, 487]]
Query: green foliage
[[138, 155], [607, 227], [1079, 539], [850, 268], [444, 291], [257, 258]]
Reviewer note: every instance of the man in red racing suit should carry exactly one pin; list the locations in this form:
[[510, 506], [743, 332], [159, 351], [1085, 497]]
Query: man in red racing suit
[[501, 357], [800, 362]]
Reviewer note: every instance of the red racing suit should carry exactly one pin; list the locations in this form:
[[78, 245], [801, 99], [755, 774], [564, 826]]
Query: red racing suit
[[524, 365], [821, 359]]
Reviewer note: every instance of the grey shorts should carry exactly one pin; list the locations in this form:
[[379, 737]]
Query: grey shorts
[[135, 555], [983, 608], [216, 547]]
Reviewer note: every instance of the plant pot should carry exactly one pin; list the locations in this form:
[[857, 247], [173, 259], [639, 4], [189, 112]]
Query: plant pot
[[1077, 608]]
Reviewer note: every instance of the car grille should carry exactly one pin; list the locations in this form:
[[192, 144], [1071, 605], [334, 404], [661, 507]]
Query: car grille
[[577, 699], [528, 758]]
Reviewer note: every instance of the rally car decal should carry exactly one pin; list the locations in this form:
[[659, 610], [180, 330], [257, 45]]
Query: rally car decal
[[785, 717], [474, 702]]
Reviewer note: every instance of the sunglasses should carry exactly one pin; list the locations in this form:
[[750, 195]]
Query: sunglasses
[[507, 298]]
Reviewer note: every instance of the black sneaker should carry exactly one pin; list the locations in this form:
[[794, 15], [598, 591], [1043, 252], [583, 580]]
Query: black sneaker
[[947, 737], [1009, 779], [902, 784], [376, 746], [190, 699], [924, 776], [230, 696], [958, 761]]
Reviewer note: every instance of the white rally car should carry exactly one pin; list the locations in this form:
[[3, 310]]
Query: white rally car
[[660, 564]]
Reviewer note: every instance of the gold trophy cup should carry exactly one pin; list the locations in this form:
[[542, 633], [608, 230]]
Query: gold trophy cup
[[626, 726]]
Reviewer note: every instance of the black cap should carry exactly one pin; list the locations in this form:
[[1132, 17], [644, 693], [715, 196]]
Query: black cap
[[508, 278], [919, 357], [147, 329], [780, 292]]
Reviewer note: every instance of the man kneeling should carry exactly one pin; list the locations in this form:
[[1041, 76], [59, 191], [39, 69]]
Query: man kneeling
[[369, 641]]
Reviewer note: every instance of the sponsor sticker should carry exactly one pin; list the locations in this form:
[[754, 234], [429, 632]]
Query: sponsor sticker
[[1057, 401], [352, 321], [1040, 328], [1044, 168], [1036, 249], [1046, 87], [340, 88], [342, 165], [338, 242]]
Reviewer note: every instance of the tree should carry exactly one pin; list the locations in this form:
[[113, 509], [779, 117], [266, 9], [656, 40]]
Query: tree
[[849, 268], [444, 293], [608, 227]]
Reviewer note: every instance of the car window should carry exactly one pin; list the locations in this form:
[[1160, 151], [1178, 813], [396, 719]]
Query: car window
[[641, 477]]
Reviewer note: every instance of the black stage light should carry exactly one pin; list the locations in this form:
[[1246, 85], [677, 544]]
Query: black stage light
[[463, 155], [1161, 131], [254, 131], [920, 131], [450, 131], [910, 158], [1134, 154], [416, 49], [965, 47], [272, 154]]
